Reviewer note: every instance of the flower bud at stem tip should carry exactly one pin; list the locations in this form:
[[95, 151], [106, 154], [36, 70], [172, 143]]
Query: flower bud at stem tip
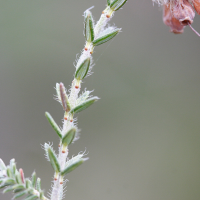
[[21, 174]]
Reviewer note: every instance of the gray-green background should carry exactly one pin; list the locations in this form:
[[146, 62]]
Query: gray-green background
[[143, 136]]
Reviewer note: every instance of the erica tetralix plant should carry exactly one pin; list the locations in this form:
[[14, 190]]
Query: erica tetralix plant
[[179, 13]]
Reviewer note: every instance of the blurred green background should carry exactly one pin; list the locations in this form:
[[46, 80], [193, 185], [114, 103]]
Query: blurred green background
[[143, 136]]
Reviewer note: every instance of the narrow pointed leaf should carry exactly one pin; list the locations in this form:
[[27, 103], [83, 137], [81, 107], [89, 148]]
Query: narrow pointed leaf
[[84, 105], [18, 188], [117, 4], [33, 179], [8, 189], [2, 165], [72, 166], [82, 70], [104, 38], [18, 178], [28, 183], [3, 185], [19, 194], [14, 168], [68, 137], [9, 172], [53, 124], [89, 26], [7, 182], [12, 162], [83, 97], [58, 92], [38, 184], [53, 159]]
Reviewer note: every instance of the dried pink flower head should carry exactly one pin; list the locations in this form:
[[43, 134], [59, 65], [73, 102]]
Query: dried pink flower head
[[183, 11], [171, 21], [179, 13]]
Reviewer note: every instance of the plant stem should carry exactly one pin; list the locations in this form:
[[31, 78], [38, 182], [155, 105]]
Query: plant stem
[[57, 189], [101, 24]]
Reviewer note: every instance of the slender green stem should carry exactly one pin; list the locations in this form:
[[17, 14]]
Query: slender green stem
[[57, 190]]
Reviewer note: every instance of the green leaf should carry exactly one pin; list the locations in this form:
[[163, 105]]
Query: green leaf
[[108, 2], [12, 165], [8, 189], [3, 185], [9, 181], [19, 194], [38, 184], [12, 161], [9, 172], [18, 178], [2, 165], [58, 92], [89, 26], [28, 183], [84, 105], [14, 168], [53, 124], [106, 37], [68, 137], [33, 179], [72, 165], [83, 97], [82, 70], [18, 188], [6, 182], [117, 4], [53, 158]]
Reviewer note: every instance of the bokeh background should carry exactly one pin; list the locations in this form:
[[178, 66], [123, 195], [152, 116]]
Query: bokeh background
[[143, 136]]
